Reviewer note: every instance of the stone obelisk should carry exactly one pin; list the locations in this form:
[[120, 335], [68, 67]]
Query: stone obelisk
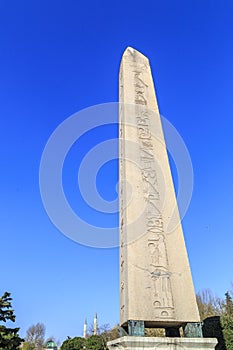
[[156, 286]]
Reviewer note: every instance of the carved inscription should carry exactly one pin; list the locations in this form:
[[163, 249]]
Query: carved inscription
[[139, 87], [160, 278]]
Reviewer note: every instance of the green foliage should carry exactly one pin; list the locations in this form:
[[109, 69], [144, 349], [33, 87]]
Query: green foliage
[[228, 304], [217, 314], [9, 338], [28, 346], [227, 328], [76, 343], [95, 342]]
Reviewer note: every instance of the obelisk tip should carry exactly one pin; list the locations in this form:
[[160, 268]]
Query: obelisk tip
[[135, 54], [129, 49]]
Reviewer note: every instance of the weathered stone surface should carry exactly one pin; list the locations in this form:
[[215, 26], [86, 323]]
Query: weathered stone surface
[[152, 343], [155, 279]]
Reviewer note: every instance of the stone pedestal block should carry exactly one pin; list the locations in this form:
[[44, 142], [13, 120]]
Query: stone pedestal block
[[165, 343]]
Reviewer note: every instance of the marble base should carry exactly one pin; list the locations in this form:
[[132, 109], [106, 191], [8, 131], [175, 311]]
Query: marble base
[[165, 343]]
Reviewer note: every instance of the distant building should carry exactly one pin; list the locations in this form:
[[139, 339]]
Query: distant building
[[95, 324], [51, 345], [85, 329], [95, 327]]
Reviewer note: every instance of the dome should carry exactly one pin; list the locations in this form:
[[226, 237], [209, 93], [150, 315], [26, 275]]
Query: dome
[[50, 344]]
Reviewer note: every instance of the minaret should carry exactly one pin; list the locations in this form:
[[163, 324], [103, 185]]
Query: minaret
[[95, 324], [85, 329]]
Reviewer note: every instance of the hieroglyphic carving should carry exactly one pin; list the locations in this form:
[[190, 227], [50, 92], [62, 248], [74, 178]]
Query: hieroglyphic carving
[[160, 275], [122, 247], [122, 285], [158, 267], [122, 264], [139, 86]]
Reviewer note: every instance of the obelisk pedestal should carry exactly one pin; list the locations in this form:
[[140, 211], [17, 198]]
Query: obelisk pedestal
[[154, 343]]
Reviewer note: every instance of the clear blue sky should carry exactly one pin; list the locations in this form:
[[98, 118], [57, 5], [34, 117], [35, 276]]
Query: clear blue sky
[[58, 57]]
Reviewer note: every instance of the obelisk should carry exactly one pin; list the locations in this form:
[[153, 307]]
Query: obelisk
[[156, 286]]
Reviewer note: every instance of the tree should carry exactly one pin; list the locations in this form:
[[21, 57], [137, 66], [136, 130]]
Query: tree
[[108, 333], [76, 343], [35, 336], [95, 342], [227, 321], [209, 304], [218, 318], [9, 338], [228, 304], [28, 346], [227, 328], [154, 332]]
